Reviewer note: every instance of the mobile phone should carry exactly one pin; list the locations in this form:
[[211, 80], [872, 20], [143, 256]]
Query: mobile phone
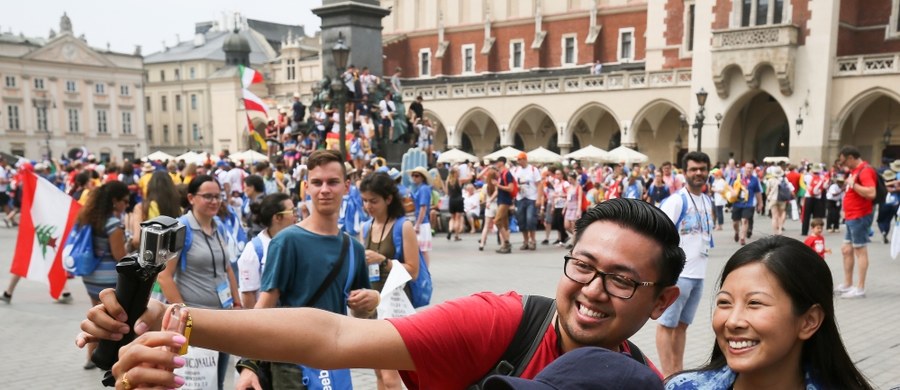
[[176, 320]]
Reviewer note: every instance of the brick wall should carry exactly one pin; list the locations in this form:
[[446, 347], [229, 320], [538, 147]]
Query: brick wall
[[405, 52], [861, 14], [674, 34]]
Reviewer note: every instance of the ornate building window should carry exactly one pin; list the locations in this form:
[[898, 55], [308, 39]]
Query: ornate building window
[[38, 83], [569, 50], [516, 54], [892, 30], [101, 122], [193, 101], [177, 102], [13, 117], [162, 103], [468, 58], [166, 134], [124, 90], [74, 126], [100, 89], [625, 51], [149, 132], [10, 81], [70, 86], [290, 69], [147, 103], [688, 42], [126, 122], [759, 12], [179, 133], [41, 118], [195, 131], [425, 62]]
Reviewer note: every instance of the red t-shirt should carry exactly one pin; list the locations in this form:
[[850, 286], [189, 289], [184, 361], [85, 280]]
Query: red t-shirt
[[855, 206], [794, 178], [817, 243], [456, 343]]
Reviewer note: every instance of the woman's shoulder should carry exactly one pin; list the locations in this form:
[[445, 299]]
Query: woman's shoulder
[[716, 379]]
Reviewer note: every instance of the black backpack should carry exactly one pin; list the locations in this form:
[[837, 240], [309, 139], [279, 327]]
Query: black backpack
[[784, 192], [880, 188], [538, 312]]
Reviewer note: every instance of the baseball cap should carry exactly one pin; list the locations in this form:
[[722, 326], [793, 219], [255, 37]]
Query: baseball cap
[[522, 156], [584, 368]]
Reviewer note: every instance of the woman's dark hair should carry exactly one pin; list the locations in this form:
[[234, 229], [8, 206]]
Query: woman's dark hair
[[255, 181], [381, 184], [807, 280], [127, 168], [646, 220], [101, 203], [161, 189], [198, 181], [264, 211], [82, 179]]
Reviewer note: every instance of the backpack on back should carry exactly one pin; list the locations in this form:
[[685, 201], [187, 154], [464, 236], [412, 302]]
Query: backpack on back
[[78, 253], [514, 191], [421, 288], [880, 188], [784, 192]]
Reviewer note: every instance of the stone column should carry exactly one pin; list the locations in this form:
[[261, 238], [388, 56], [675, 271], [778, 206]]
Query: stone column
[[454, 140], [563, 138], [629, 135], [360, 22]]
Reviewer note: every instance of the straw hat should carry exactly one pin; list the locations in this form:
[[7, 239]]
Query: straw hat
[[889, 175], [816, 168], [349, 168], [895, 166], [778, 172], [297, 95], [147, 167], [421, 171]]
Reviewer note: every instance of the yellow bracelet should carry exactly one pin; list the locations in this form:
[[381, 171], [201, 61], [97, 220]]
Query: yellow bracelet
[[188, 327]]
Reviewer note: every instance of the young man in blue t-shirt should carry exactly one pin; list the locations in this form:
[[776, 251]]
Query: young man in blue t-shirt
[[421, 195], [301, 256]]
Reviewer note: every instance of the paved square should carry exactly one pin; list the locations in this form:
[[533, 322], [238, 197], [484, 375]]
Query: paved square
[[38, 334]]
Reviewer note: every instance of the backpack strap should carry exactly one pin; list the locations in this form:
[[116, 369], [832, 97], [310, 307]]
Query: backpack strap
[[397, 235], [536, 317], [683, 209], [636, 353], [188, 239]]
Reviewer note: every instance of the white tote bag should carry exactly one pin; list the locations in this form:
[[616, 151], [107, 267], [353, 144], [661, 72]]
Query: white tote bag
[[200, 371]]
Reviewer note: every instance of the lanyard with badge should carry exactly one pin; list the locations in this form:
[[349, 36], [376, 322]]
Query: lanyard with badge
[[223, 290], [707, 235]]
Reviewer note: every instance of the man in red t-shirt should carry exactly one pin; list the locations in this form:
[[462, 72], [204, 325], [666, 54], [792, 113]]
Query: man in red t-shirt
[[621, 272], [858, 216]]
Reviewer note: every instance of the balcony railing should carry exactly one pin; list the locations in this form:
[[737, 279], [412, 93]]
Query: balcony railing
[[755, 37], [868, 65], [550, 85]]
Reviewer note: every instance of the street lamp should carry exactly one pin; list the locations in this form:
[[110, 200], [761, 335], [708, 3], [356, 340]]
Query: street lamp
[[887, 135], [340, 52], [701, 117]]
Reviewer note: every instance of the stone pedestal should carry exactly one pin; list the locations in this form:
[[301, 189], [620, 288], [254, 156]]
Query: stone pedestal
[[360, 22]]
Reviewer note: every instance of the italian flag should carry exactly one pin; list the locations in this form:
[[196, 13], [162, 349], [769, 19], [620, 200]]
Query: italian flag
[[47, 216], [249, 76], [254, 103]]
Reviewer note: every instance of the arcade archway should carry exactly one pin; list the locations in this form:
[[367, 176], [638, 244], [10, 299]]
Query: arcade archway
[[479, 132], [533, 127], [871, 124], [661, 133], [595, 124], [754, 128]]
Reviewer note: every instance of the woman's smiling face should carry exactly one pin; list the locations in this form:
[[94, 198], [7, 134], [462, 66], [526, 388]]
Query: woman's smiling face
[[755, 323]]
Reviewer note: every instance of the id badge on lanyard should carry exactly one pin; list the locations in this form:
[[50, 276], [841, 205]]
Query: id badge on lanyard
[[225, 298]]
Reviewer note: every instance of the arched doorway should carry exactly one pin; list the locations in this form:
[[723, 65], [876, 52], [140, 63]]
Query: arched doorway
[[662, 132], [480, 128], [440, 133], [533, 125], [754, 128], [871, 124], [595, 124]]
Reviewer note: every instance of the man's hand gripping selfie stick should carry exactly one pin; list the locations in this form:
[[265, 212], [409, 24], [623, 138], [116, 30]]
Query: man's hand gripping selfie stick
[[162, 239]]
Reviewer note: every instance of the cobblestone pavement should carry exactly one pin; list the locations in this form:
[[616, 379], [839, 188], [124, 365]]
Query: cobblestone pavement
[[38, 334]]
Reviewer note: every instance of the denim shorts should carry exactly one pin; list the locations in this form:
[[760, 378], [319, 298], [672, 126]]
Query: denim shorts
[[526, 214], [685, 307], [858, 230]]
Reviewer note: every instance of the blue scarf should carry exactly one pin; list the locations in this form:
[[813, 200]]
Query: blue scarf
[[722, 379]]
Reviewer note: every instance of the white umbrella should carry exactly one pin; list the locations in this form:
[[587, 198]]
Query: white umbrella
[[509, 152], [454, 156], [543, 156], [626, 154], [248, 156], [588, 153], [190, 157], [776, 160], [161, 156]]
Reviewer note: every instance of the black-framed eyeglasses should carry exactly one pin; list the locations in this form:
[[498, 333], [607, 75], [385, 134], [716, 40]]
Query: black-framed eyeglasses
[[212, 197], [619, 286]]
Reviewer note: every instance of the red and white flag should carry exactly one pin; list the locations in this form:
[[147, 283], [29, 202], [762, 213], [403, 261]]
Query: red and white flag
[[249, 76], [254, 103], [47, 216]]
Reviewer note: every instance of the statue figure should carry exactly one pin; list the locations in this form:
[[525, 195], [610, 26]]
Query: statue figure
[[65, 24]]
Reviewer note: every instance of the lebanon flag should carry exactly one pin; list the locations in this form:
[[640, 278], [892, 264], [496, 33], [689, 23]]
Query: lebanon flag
[[254, 103], [47, 216], [249, 76]]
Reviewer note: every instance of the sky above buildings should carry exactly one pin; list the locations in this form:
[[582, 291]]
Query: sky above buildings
[[126, 23]]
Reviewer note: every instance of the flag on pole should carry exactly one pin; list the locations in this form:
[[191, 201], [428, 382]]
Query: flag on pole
[[47, 216], [249, 76], [256, 136], [254, 103]]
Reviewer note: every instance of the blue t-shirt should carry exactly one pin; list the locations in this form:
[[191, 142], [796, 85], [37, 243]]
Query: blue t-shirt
[[422, 197], [505, 197], [752, 188], [298, 261]]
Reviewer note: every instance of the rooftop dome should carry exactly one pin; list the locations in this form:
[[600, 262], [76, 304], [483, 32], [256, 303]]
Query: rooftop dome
[[236, 42]]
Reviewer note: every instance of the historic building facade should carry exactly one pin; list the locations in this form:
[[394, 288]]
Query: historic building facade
[[784, 77], [193, 91], [59, 94]]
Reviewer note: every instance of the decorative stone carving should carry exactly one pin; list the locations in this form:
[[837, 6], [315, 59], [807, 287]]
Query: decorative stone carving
[[539, 34], [488, 40], [442, 44], [594, 29], [751, 48]]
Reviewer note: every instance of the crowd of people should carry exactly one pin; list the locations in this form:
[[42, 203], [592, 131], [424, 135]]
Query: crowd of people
[[651, 225]]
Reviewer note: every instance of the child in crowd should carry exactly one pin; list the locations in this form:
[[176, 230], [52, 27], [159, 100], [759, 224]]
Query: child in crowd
[[816, 240]]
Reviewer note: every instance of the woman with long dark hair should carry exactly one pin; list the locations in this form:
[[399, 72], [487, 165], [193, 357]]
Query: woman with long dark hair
[[381, 200], [274, 213], [775, 325], [104, 211], [456, 206]]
